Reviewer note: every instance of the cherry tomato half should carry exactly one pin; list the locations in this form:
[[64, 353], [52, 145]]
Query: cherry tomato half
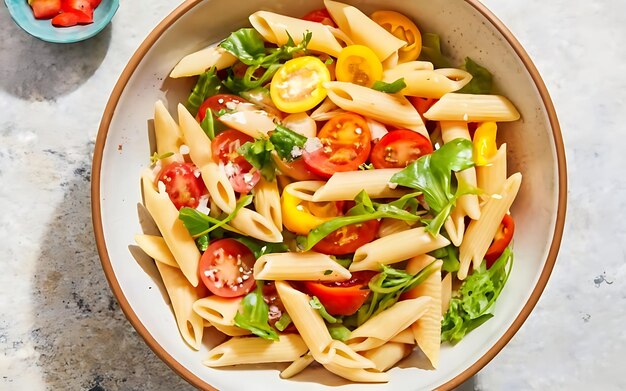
[[345, 143], [320, 16], [219, 102], [501, 241], [358, 64], [348, 239], [182, 184], [403, 28], [299, 84], [238, 170], [342, 298], [399, 148], [226, 268], [422, 105]]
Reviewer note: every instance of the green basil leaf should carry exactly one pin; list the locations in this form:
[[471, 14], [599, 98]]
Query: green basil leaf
[[259, 247], [389, 88], [208, 125], [253, 314], [482, 80], [258, 153], [431, 51], [246, 44], [285, 140], [199, 224], [316, 304], [208, 84]]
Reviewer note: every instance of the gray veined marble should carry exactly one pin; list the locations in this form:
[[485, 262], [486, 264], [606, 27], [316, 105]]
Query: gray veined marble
[[60, 327]]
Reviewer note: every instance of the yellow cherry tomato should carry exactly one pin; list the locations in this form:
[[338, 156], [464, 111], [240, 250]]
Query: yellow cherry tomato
[[298, 217], [403, 28], [298, 84], [485, 147], [358, 64]]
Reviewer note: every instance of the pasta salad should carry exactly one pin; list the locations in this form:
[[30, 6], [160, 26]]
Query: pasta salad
[[331, 192]]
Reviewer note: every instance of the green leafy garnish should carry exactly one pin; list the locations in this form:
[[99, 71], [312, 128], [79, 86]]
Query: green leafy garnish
[[433, 175], [364, 210], [285, 140], [156, 157], [339, 332], [207, 124], [260, 248], [387, 287], [389, 88], [258, 153], [283, 322], [208, 84], [431, 51], [253, 314], [482, 80], [202, 242], [476, 296], [316, 304], [450, 257], [344, 262]]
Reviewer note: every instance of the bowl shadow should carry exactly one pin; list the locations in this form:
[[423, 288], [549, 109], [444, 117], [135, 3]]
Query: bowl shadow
[[82, 337], [35, 70]]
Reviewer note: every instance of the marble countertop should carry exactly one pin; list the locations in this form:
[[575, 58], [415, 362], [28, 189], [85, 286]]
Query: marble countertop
[[61, 328]]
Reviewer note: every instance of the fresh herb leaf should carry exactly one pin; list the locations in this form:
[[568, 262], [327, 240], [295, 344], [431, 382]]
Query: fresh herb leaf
[[389, 88], [344, 262], [433, 176], [482, 80], [431, 51], [339, 332], [258, 153], [156, 157], [329, 61], [207, 124], [450, 257], [364, 210], [476, 296], [208, 84], [199, 224], [316, 304], [387, 287], [246, 44], [328, 272], [284, 141], [202, 242], [260, 248], [251, 78], [253, 314], [283, 322]]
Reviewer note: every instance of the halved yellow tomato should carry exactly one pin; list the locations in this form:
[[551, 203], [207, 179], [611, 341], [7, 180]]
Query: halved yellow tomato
[[298, 84], [358, 64], [403, 28]]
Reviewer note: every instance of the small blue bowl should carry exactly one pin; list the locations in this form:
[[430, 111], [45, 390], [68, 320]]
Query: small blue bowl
[[22, 15]]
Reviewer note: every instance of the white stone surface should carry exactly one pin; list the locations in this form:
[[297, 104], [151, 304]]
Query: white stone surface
[[60, 327]]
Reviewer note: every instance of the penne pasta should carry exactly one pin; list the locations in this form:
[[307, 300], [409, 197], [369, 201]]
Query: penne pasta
[[391, 226], [480, 232], [395, 248], [346, 185], [304, 190], [156, 248], [253, 224], [308, 266], [219, 187], [429, 83], [358, 374], [297, 366], [255, 350], [405, 336], [197, 63], [167, 134], [472, 108], [491, 177], [267, 202], [218, 310], [446, 293], [254, 123], [388, 355], [198, 142]]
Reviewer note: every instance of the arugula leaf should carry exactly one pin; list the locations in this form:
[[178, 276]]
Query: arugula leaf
[[284, 141], [476, 296], [482, 80], [156, 157], [260, 248], [258, 153], [386, 287], [364, 210], [450, 257], [316, 304], [253, 314], [389, 88], [202, 242], [251, 79], [283, 322], [207, 124], [433, 175], [344, 262], [339, 332], [431, 51], [246, 44], [208, 84], [199, 224]]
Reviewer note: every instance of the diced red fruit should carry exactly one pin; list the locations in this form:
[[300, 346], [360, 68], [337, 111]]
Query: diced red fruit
[[45, 9], [95, 3], [78, 5], [66, 19]]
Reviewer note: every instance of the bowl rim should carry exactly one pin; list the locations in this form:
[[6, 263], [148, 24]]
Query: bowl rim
[[189, 376], [90, 31]]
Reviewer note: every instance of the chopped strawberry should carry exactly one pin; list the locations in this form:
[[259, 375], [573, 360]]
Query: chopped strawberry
[[45, 9], [66, 19]]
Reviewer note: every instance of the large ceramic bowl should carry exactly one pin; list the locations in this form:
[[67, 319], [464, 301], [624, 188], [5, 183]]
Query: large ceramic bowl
[[122, 150]]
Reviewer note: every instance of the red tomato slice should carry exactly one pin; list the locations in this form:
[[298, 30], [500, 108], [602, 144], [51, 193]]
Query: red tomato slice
[[348, 239], [95, 3], [45, 9], [276, 306], [320, 16], [218, 102], [238, 170], [398, 148], [66, 19], [182, 184], [83, 6], [226, 268], [501, 241], [422, 105], [346, 144], [342, 298]]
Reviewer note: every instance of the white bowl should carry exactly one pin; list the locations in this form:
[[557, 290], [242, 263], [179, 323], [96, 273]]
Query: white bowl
[[467, 28]]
